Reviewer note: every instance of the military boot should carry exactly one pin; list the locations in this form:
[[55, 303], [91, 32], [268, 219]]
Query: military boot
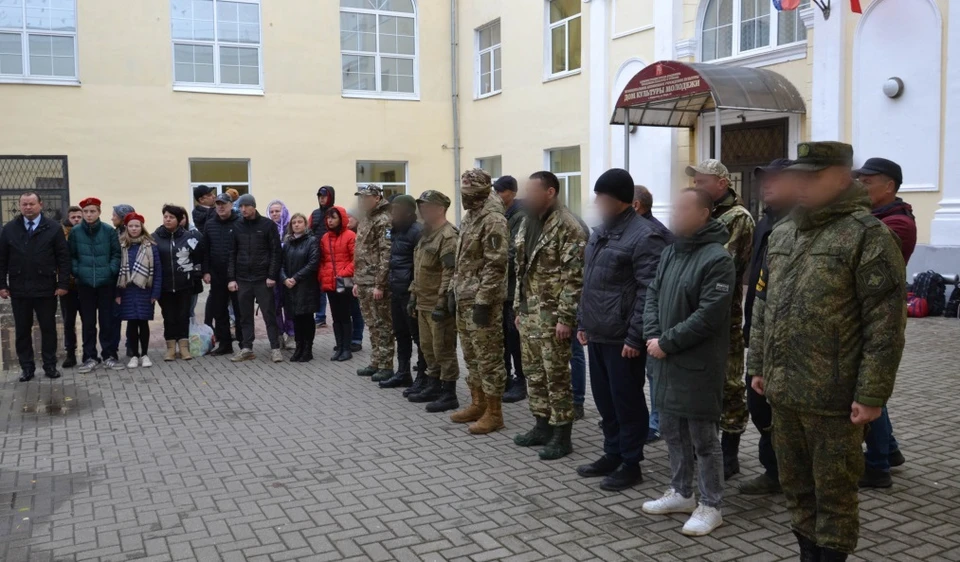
[[730, 446], [761, 485], [382, 375], [367, 371], [401, 378], [560, 444], [875, 478], [830, 555], [447, 400], [536, 437], [517, 390], [492, 419], [417, 385], [473, 412], [429, 392], [809, 551]]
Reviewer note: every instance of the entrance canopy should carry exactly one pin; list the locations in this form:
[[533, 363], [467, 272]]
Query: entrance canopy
[[674, 94]]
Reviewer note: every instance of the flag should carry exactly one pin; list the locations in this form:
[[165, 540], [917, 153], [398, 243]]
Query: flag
[[855, 7], [787, 5]]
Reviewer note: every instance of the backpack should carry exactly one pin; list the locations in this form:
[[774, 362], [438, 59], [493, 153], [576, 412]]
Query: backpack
[[953, 305], [930, 285], [917, 306]]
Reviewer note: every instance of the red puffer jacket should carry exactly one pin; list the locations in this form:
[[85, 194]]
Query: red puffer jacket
[[336, 248]]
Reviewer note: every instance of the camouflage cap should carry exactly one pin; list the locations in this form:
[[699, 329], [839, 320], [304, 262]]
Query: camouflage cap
[[709, 167], [816, 156], [370, 189], [435, 197], [475, 182]]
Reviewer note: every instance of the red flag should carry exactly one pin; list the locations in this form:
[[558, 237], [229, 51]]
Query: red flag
[[855, 6]]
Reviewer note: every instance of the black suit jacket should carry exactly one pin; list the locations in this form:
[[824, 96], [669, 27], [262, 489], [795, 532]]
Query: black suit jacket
[[36, 265]]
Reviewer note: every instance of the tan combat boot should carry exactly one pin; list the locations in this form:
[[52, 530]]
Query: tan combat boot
[[473, 412], [171, 353], [185, 350], [492, 418]]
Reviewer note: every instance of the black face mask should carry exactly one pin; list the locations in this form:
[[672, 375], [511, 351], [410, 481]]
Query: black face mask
[[473, 202]]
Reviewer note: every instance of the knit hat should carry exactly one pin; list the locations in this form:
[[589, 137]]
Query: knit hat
[[131, 216], [90, 201], [505, 183], [616, 183], [475, 182], [405, 201], [246, 199], [233, 193], [201, 190], [122, 210]]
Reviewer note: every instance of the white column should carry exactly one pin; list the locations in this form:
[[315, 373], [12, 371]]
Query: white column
[[829, 77], [661, 142], [599, 113], [945, 229]]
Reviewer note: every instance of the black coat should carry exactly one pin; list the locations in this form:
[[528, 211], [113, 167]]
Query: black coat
[[36, 266], [202, 215], [218, 239], [181, 256], [318, 221], [301, 258], [621, 261], [256, 251], [760, 236], [402, 244]]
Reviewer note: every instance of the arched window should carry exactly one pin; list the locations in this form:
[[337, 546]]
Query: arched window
[[735, 27], [378, 47]]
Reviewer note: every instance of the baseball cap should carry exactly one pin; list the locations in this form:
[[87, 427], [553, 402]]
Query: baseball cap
[[709, 167], [201, 190], [224, 198], [325, 190], [370, 189], [816, 156], [778, 165], [435, 197], [874, 166]]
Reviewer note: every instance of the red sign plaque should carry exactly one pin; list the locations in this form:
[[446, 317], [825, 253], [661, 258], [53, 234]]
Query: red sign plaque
[[662, 81]]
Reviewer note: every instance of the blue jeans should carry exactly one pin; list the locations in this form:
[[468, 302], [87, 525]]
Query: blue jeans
[[578, 371], [880, 442], [321, 315], [357, 322], [654, 413]]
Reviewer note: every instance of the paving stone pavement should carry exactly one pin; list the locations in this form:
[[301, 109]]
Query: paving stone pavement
[[207, 460]]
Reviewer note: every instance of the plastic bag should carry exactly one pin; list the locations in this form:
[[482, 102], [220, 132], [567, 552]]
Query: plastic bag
[[201, 338]]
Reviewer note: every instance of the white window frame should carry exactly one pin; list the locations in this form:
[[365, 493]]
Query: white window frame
[[405, 184], [548, 72], [791, 51], [379, 93], [217, 87], [490, 52], [564, 177], [25, 33], [219, 186], [479, 164]]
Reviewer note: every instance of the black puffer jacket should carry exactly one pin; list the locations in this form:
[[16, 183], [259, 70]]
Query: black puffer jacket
[[318, 221], [402, 243], [301, 258], [202, 215], [218, 239], [181, 258], [256, 250]]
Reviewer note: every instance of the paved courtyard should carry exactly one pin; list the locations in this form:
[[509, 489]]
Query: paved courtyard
[[206, 460]]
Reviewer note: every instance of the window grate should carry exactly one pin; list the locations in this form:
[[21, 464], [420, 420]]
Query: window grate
[[47, 175]]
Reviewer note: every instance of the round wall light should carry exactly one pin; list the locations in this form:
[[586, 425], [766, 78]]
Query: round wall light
[[893, 88]]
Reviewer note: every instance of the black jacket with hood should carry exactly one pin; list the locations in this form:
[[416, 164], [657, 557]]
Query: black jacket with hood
[[318, 223], [255, 256], [403, 240]]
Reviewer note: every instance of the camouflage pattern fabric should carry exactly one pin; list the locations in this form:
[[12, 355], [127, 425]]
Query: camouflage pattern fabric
[[438, 343], [435, 197], [372, 258], [434, 260], [483, 349], [376, 314], [481, 273]]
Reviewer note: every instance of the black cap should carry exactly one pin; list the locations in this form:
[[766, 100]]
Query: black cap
[[505, 183], [874, 166], [616, 183], [778, 165], [202, 190], [224, 198]]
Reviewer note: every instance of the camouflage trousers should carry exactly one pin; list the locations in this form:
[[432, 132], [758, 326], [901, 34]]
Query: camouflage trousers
[[821, 463], [546, 364], [735, 415], [438, 343], [482, 349], [376, 315]]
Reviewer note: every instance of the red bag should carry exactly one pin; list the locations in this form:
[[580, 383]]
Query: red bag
[[917, 307]]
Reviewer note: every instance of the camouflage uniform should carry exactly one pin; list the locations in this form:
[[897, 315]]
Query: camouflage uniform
[[828, 330], [550, 282], [481, 281], [433, 264], [372, 263]]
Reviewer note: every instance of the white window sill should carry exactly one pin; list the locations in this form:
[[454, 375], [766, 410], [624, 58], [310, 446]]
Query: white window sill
[[490, 95], [39, 81], [393, 96], [919, 187], [218, 90], [758, 58], [560, 75]]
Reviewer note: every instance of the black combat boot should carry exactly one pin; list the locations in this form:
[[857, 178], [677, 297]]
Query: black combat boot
[[71, 359], [400, 378], [447, 399], [517, 390], [730, 446], [809, 551], [417, 385], [536, 437], [603, 466], [627, 476], [429, 392], [560, 444], [830, 555]]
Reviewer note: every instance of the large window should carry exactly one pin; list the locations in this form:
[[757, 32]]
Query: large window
[[492, 165], [216, 43], [565, 163], [391, 176], [488, 59], [38, 40], [378, 48], [734, 27], [563, 36], [220, 175]]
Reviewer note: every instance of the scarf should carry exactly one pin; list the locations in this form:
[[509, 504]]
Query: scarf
[[140, 272]]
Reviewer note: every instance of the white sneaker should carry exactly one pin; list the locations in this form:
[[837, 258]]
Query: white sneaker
[[671, 502], [146, 362], [277, 356], [133, 363], [703, 521]]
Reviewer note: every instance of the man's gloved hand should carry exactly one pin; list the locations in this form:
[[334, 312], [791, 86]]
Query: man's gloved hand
[[481, 315], [451, 304], [439, 313], [412, 306]]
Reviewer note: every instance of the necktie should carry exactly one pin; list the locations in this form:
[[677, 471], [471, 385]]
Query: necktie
[[29, 228]]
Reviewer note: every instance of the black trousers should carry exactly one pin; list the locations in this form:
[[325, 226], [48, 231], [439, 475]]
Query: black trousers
[[341, 305], [96, 308], [251, 292], [45, 309], [217, 312], [69, 307], [138, 337], [762, 417], [617, 384], [511, 341], [406, 329], [175, 308], [305, 329]]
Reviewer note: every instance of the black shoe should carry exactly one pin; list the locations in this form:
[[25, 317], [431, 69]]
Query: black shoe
[[761, 485], [875, 478], [367, 371], [71, 361], [578, 412], [297, 354], [538, 436], [896, 459], [397, 380], [355, 347], [417, 385], [730, 446], [517, 390], [830, 555], [809, 551], [447, 400], [627, 476], [344, 355], [652, 436], [26, 376], [222, 350], [52, 372], [307, 355], [429, 392], [603, 466]]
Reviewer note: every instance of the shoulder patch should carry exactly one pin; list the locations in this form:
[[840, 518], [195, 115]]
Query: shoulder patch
[[875, 277], [867, 219], [723, 287], [495, 241]]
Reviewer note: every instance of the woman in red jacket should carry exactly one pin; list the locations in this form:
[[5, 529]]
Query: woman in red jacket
[[336, 277]]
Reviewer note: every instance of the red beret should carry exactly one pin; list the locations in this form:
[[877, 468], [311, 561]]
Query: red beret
[[133, 217], [90, 201]]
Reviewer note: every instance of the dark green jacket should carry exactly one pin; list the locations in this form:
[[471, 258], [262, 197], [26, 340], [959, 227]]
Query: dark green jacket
[[95, 253], [830, 313], [688, 309]]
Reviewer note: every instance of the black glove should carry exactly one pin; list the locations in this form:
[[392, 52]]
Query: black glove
[[439, 313], [481, 315], [412, 306], [451, 304]]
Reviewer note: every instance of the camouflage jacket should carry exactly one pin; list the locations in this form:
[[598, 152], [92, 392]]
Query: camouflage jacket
[[739, 223], [433, 261], [481, 275], [830, 312], [551, 281], [372, 258]]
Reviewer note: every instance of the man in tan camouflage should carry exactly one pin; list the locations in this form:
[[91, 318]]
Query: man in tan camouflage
[[432, 303], [480, 286], [549, 265], [826, 341], [372, 261], [713, 176]]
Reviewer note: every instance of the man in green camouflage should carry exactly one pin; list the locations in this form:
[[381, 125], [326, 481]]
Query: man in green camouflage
[[826, 340], [431, 302], [480, 286], [372, 261], [714, 177], [549, 264]]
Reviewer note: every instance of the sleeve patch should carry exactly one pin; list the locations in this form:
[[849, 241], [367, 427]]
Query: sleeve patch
[[875, 277], [723, 287], [495, 241], [448, 260]]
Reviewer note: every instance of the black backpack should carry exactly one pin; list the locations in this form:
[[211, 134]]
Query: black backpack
[[953, 304], [930, 285]]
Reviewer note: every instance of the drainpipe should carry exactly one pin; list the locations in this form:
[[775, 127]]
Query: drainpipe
[[455, 102]]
